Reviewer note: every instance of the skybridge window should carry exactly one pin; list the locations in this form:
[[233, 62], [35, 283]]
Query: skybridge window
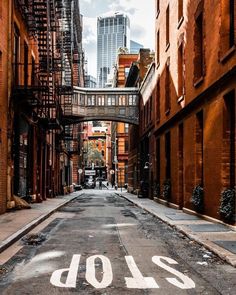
[[82, 99], [101, 100], [132, 100], [91, 100], [111, 100], [122, 100]]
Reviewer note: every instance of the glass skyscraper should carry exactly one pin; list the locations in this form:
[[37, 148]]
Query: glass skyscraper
[[113, 32]]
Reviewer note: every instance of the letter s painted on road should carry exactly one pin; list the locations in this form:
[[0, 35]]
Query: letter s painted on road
[[186, 283]]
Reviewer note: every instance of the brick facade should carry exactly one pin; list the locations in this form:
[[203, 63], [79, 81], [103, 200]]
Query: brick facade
[[4, 74], [35, 163], [136, 158], [196, 118], [124, 62]]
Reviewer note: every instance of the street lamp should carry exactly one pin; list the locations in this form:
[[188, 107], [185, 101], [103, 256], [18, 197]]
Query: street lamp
[[147, 165]]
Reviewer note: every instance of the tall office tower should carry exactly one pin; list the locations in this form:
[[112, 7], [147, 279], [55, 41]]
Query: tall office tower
[[113, 32]]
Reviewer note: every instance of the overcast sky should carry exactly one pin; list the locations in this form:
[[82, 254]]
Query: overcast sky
[[142, 24]]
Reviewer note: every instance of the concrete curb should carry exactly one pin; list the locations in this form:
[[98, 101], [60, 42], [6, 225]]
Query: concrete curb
[[191, 236], [27, 228]]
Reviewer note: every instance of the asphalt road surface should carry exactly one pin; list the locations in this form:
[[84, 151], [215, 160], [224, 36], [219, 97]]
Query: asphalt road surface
[[102, 244]]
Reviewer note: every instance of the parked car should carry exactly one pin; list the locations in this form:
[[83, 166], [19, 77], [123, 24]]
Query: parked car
[[90, 183], [77, 187]]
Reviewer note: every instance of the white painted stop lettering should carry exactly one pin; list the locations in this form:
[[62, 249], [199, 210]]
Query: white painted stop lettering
[[91, 272]]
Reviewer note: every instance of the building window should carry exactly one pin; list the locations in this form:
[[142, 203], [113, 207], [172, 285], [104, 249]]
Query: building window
[[121, 100], [16, 54], [126, 128], [168, 155], [199, 148], [141, 120], [180, 10], [0, 8], [198, 48], [127, 71], [167, 27], [145, 116], [158, 49], [150, 109], [33, 71], [181, 70], [101, 101], [132, 100], [181, 164], [231, 22], [147, 112], [158, 100], [167, 90], [1, 77], [157, 8], [26, 62], [227, 31], [125, 40], [158, 160], [126, 146], [228, 149]]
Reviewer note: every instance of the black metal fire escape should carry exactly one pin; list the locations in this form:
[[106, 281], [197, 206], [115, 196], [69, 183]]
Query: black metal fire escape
[[56, 27]]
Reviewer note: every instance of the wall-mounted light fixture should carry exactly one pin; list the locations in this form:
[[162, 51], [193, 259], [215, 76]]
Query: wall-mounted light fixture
[[147, 165]]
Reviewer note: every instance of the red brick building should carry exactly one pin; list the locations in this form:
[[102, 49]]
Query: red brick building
[[36, 81], [136, 77], [192, 143], [4, 75], [120, 130]]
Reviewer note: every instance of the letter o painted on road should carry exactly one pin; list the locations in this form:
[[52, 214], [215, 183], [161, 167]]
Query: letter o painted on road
[[91, 272]]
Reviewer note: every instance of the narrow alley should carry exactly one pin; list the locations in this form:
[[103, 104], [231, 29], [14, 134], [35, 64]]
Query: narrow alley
[[100, 243]]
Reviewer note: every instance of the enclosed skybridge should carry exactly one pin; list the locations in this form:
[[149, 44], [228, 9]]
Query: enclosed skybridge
[[101, 104]]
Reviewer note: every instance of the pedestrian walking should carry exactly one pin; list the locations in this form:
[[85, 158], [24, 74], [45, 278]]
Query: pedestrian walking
[[100, 184]]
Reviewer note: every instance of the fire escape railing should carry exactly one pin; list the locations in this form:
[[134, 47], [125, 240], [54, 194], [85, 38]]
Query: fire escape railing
[[56, 27]]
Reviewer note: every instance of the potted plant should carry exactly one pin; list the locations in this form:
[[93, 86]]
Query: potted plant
[[157, 190], [198, 198], [166, 189], [227, 203]]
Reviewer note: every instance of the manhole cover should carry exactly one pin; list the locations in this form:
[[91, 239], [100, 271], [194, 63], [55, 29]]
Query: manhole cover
[[208, 228], [228, 245]]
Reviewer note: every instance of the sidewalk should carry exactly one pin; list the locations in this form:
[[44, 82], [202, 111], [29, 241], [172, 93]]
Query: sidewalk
[[17, 223], [216, 237]]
